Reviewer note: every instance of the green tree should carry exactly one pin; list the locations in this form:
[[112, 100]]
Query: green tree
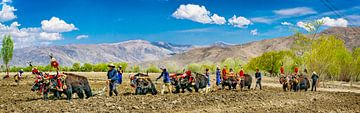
[[87, 67], [153, 69], [76, 67], [194, 67], [328, 57], [7, 51], [270, 61]]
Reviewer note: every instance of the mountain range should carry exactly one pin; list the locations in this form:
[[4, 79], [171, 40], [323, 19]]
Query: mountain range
[[145, 52]]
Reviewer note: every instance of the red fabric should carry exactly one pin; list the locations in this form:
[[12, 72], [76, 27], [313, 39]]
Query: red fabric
[[241, 73], [59, 83], [296, 70], [224, 72], [35, 71], [188, 73], [55, 64], [282, 70]]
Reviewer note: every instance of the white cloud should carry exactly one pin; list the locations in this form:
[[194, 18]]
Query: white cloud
[[354, 19], [254, 32], [305, 25], [82, 37], [6, 1], [218, 19], [261, 20], [7, 13], [197, 13], [286, 23], [240, 21], [50, 36], [56, 25], [330, 22], [298, 11]]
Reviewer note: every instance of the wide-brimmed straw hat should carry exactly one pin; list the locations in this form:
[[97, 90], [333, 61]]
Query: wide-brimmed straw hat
[[111, 65]]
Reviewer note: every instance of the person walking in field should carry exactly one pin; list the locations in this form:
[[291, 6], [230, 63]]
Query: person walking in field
[[112, 78], [207, 75], [224, 73], [242, 75], [282, 70], [120, 73], [258, 78], [314, 78], [218, 77], [296, 69], [166, 80]]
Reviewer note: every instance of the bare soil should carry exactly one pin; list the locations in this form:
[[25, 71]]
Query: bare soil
[[333, 98]]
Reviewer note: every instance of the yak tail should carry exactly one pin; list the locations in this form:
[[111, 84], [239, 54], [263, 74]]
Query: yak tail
[[101, 92]]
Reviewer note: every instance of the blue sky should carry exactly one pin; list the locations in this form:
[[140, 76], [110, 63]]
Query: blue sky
[[59, 22]]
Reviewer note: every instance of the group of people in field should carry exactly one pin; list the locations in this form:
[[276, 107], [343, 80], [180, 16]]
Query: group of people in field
[[298, 80], [187, 80]]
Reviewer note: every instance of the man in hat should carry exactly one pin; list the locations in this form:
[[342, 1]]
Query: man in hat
[[314, 78], [112, 79], [166, 80]]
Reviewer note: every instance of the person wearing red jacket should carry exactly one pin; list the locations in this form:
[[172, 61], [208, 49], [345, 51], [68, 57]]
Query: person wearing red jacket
[[224, 73], [54, 64], [189, 76], [241, 73], [282, 70], [296, 69]]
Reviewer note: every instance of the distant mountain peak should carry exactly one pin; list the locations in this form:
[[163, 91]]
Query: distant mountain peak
[[222, 44]]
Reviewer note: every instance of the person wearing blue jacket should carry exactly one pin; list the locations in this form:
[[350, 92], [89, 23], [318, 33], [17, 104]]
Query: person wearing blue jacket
[[218, 76], [112, 79], [166, 80], [120, 73]]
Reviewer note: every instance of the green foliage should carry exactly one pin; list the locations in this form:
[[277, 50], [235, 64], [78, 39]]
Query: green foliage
[[194, 67], [76, 67], [234, 63], [153, 69], [271, 61], [135, 69], [329, 57], [87, 67], [7, 51], [123, 65]]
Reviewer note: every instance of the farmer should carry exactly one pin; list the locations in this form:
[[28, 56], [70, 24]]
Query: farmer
[[282, 69], [112, 79], [166, 80], [120, 73], [35, 71], [21, 71], [224, 73], [296, 69], [207, 75], [242, 76], [188, 76], [314, 78], [218, 76], [258, 78]]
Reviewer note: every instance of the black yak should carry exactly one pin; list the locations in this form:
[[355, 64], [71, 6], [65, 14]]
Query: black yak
[[73, 83]]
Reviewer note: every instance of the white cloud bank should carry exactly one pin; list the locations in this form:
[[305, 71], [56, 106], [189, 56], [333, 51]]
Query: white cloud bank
[[297, 11], [82, 37], [197, 13], [240, 21], [56, 25], [327, 21]]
